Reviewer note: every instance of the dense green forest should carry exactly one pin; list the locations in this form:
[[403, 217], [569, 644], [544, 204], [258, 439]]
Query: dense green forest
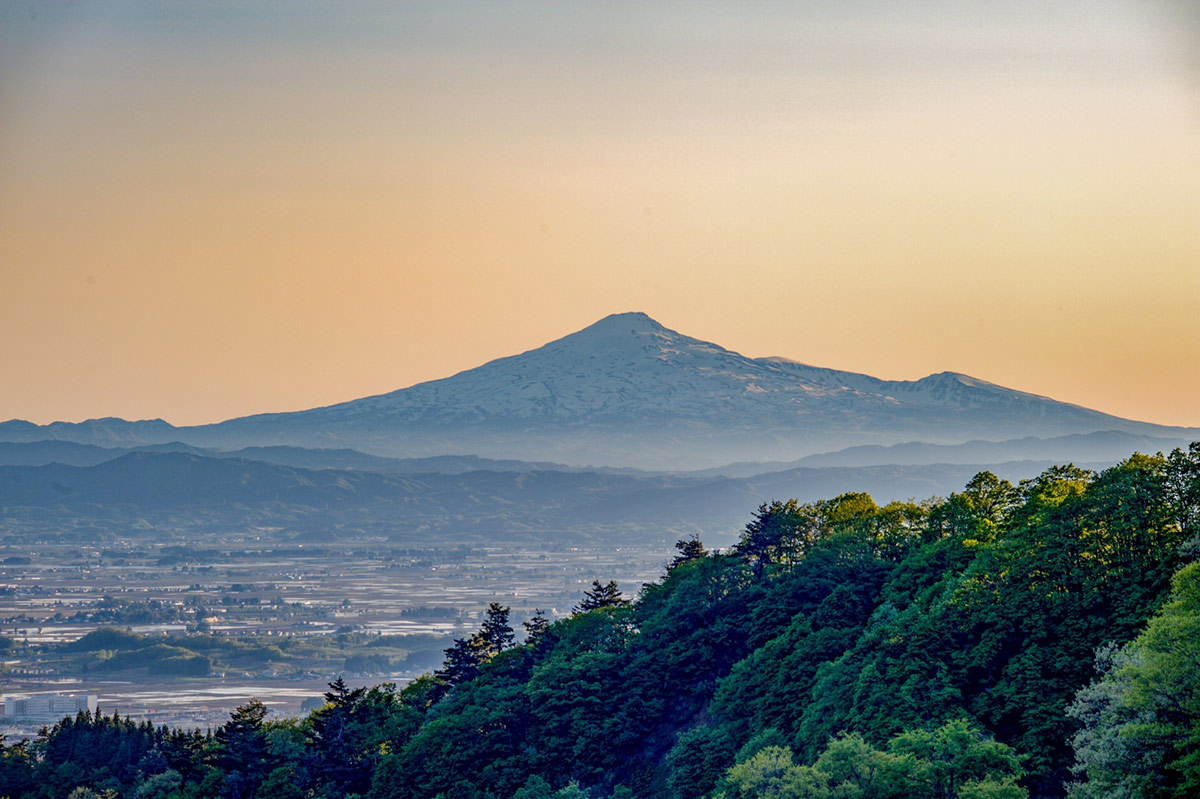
[[1008, 641]]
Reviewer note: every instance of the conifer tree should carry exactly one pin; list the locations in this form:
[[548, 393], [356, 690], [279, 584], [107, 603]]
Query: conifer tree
[[242, 745], [536, 628], [689, 549], [780, 531], [601, 596], [335, 756], [497, 634], [462, 661]]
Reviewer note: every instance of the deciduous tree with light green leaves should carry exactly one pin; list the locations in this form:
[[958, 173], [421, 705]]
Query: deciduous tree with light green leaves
[[1141, 734], [953, 761]]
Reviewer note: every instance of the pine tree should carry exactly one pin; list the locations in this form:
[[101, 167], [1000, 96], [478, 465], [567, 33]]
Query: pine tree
[[780, 531], [462, 661], [336, 756], [601, 596], [689, 549], [242, 745], [497, 634], [536, 628], [339, 693]]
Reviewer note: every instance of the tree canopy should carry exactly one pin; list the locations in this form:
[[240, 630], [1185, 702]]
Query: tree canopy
[[1007, 641]]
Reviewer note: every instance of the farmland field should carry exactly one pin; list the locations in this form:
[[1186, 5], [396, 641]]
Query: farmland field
[[277, 620]]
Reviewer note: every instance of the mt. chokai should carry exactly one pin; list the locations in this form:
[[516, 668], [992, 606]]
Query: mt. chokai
[[627, 391]]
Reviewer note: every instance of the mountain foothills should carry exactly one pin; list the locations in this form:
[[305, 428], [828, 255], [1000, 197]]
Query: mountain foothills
[[1040, 640], [181, 495], [627, 391]]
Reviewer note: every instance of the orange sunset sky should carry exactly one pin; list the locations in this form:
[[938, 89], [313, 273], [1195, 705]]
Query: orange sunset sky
[[213, 209]]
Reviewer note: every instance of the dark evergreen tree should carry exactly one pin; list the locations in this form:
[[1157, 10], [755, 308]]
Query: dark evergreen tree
[[689, 549], [780, 532], [496, 634], [536, 629], [605, 595], [341, 695], [242, 748], [336, 754], [16, 767], [462, 661], [188, 752]]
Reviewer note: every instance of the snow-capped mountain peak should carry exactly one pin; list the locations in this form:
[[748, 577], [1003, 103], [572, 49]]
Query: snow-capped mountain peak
[[626, 390], [628, 372]]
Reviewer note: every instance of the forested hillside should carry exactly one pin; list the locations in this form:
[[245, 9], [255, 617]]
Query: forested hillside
[[1040, 640]]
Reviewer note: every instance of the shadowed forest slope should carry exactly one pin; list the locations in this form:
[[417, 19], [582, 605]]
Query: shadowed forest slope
[[1009, 641]]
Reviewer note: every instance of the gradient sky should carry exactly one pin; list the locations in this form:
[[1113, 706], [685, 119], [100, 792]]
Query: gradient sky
[[212, 209]]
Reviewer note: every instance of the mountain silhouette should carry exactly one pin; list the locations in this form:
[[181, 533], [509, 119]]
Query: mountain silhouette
[[627, 391]]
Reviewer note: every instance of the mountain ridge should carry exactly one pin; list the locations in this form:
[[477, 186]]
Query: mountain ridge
[[178, 494], [627, 391]]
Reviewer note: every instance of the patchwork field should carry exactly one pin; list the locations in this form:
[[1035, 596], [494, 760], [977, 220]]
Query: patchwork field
[[205, 627]]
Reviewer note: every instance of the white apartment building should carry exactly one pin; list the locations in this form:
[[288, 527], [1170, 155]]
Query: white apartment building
[[47, 707]]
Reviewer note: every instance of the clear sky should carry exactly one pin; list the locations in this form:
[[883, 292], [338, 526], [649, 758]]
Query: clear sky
[[211, 209]]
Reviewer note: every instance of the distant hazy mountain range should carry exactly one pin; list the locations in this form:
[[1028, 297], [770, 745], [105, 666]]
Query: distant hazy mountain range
[[1092, 448], [166, 495], [628, 392]]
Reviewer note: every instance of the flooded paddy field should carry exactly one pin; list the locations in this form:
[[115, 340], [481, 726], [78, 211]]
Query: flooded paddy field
[[364, 609], [187, 704], [58, 594]]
